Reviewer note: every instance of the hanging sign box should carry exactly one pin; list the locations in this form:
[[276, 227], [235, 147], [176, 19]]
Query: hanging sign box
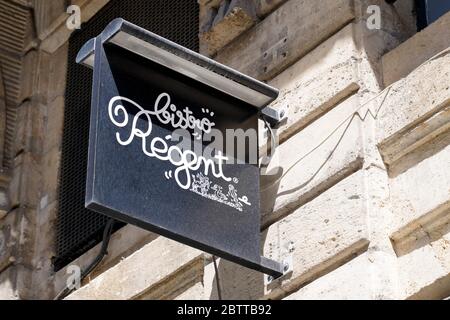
[[164, 138]]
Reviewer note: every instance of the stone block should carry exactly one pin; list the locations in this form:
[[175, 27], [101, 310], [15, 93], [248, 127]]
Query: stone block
[[53, 124], [9, 239], [8, 290], [196, 292], [318, 82], [15, 181], [421, 202], [28, 75], [58, 33], [280, 40], [230, 20], [265, 7], [133, 277], [49, 173], [415, 110], [23, 126], [325, 233], [417, 142], [31, 195], [313, 160], [421, 47], [236, 282], [123, 243], [425, 271], [179, 285], [320, 236], [43, 82], [352, 281], [52, 74], [45, 15], [5, 203], [57, 70]]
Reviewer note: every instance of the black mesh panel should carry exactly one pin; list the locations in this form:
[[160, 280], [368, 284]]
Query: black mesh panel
[[79, 229]]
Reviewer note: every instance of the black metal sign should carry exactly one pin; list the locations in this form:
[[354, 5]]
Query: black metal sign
[[166, 150]]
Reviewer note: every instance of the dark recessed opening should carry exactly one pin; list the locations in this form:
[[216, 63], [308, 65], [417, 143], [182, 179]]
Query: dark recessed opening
[[79, 229], [428, 11]]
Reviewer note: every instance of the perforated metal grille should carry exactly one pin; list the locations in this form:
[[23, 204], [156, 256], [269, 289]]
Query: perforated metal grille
[[79, 229]]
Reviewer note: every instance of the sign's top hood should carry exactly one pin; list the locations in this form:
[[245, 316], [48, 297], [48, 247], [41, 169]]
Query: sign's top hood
[[169, 54]]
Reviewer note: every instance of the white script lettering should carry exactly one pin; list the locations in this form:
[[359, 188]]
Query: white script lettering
[[185, 161]]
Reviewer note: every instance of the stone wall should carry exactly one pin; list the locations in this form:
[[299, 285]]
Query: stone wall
[[33, 60], [362, 207]]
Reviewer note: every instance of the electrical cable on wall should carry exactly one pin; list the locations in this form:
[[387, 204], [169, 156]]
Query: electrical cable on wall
[[219, 290], [354, 115], [91, 267]]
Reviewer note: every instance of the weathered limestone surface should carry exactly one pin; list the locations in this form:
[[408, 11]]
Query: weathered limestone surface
[[2, 116], [382, 257], [279, 40], [47, 15], [236, 282], [350, 281], [413, 137], [318, 82], [52, 70], [265, 7], [17, 61], [135, 275], [424, 273], [319, 237], [313, 160], [225, 23], [196, 292], [55, 33], [421, 47], [16, 257], [421, 201], [416, 110], [364, 74], [37, 168], [185, 282], [7, 284], [325, 233], [221, 22], [121, 245], [8, 239]]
